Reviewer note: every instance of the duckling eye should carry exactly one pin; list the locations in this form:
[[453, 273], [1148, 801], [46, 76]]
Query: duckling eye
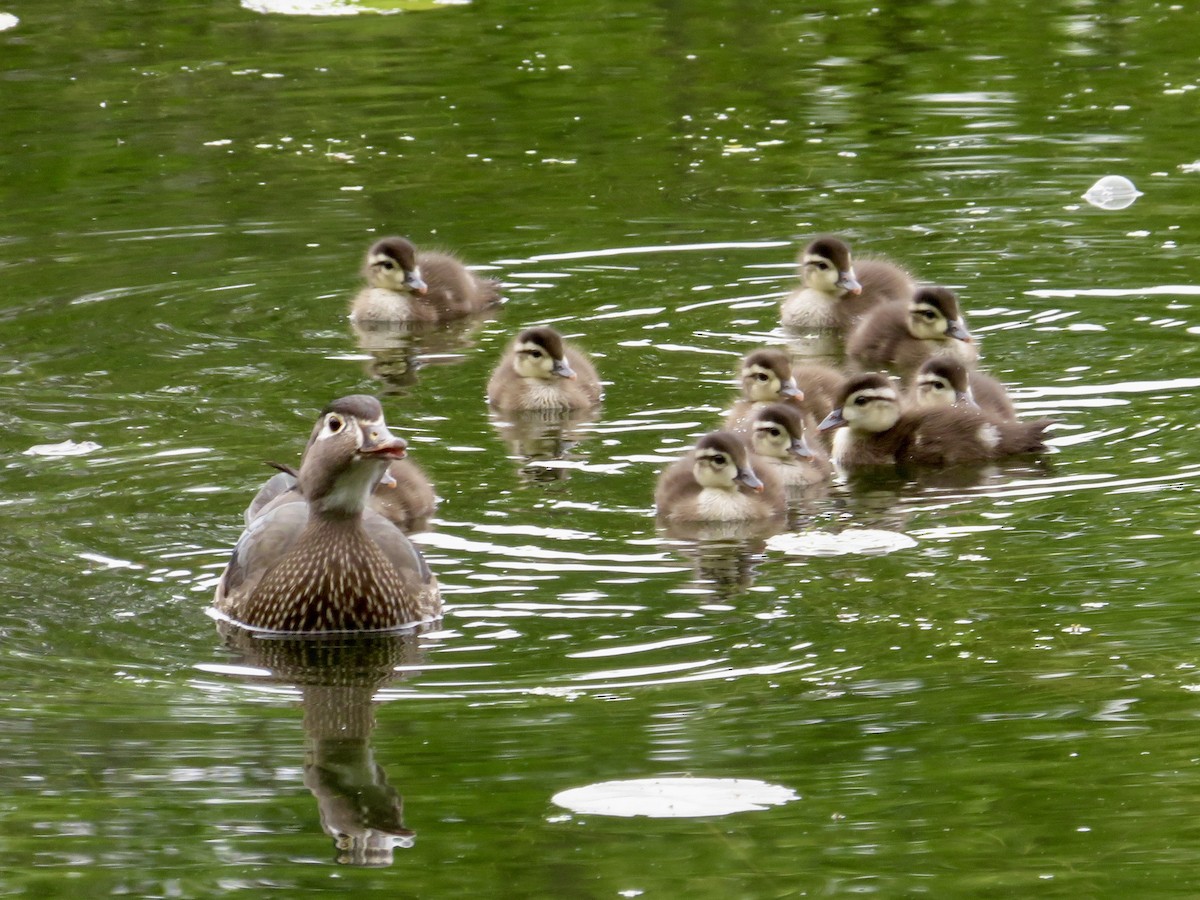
[[822, 265], [536, 354], [719, 459], [335, 424], [861, 401], [387, 264], [774, 432], [760, 376], [928, 314]]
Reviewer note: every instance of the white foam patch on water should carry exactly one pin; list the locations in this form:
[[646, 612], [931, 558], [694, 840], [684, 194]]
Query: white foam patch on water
[[66, 448], [678, 798], [865, 541]]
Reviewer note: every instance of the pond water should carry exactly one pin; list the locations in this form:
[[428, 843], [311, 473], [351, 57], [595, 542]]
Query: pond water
[[936, 687]]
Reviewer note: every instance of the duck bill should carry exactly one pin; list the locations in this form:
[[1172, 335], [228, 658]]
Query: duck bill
[[562, 370], [800, 449], [789, 390], [848, 282], [746, 477], [382, 444], [834, 420], [415, 284], [958, 331]]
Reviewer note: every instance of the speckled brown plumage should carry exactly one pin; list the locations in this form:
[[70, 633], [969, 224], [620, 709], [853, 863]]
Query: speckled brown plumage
[[316, 558]]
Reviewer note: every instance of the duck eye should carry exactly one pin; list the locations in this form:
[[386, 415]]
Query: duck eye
[[760, 376], [387, 264], [860, 401], [536, 354], [719, 459], [335, 424], [929, 314], [822, 265], [774, 432]]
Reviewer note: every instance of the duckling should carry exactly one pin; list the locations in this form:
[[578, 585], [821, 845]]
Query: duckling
[[821, 386], [765, 378], [404, 285], [878, 432], [540, 371], [319, 559], [902, 336], [715, 483], [943, 381], [835, 292], [777, 437]]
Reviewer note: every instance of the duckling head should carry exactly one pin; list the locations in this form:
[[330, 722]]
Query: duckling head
[[392, 264], [943, 381], [778, 432], [539, 353], [766, 376], [720, 461], [350, 451], [933, 315], [869, 403], [826, 266]]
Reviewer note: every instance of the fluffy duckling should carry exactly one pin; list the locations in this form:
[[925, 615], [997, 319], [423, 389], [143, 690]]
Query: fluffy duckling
[[540, 371], [319, 558], [777, 437], [765, 377], [878, 432], [835, 292], [901, 336], [404, 285], [943, 381], [715, 483]]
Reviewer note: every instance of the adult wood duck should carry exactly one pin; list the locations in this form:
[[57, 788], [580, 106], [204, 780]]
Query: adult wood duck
[[944, 381], [900, 337], [777, 437], [715, 482], [875, 430], [540, 371], [407, 285], [835, 292], [318, 558]]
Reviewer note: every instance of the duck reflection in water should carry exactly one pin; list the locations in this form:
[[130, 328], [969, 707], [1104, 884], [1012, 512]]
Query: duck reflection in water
[[399, 350], [337, 677], [541, 441]]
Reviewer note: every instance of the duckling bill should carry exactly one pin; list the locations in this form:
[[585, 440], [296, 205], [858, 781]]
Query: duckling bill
[[318, 558]]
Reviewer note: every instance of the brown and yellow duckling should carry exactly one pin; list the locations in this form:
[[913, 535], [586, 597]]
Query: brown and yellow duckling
[[944, 381], [835, 292], [715, 482], [407, 285], [318, 558], [540, 371], [765, 377], [901, 336], [778, 439], [874, 429]]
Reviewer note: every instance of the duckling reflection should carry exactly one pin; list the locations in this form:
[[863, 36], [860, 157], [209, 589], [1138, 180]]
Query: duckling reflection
[[539, 438], [724, 555], [337, 678], [400, 349]]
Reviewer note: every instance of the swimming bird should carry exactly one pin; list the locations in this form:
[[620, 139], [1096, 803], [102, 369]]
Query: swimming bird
[[944, 381], [765, 376], [407, 285], [835, 291], [319, 558], [541, 371], [715, 482], [778, 440], [901, 336], [875, 430]]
